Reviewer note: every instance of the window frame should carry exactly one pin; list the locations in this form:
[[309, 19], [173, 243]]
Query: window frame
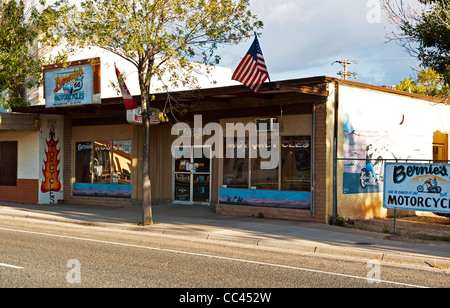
[[113, 180], [251, 160]]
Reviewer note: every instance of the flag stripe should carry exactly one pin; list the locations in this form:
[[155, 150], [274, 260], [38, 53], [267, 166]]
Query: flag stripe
[[251, 74], [242, 67]]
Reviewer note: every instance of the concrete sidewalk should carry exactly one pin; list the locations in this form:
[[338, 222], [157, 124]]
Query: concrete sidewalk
[[202, 222]]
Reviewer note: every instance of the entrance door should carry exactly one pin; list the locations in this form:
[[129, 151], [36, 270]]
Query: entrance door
[[440, 146], [192, 176]]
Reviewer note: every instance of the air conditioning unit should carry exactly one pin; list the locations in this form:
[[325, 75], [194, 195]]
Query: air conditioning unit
[[266, 125]]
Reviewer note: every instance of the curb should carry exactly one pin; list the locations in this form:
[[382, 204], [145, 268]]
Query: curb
[[305, 247]]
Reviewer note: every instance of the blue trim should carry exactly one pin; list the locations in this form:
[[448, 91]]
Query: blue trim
[[102, 190], [266, 198]]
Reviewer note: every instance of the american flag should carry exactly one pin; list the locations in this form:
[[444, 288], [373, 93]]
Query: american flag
[[252, 71]]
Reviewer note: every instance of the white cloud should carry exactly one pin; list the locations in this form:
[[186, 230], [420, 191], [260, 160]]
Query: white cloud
[[301, 38]]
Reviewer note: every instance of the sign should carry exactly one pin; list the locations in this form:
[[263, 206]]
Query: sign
[[134, 116], [51, 160], [417, 187], [76, 84]]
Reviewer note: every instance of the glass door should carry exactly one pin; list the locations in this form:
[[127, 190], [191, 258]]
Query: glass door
[[192, 176], [182, 175], [201, 171]]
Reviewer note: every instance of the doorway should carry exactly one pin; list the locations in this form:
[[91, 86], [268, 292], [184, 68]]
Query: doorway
[[192, 175], [440, 146]]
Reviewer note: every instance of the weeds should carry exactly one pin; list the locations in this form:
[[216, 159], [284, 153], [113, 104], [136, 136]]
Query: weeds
[[429, 237]]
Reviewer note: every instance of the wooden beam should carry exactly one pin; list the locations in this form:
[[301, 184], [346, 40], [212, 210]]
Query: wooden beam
[[301, 89], [15, 121]]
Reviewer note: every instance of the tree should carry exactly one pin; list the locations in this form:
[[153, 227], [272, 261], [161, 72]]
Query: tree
[[20, 67], [428, 82], [161, 38], [423, 30]]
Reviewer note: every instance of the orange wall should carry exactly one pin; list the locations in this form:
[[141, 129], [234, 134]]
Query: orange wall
[[26, 191]]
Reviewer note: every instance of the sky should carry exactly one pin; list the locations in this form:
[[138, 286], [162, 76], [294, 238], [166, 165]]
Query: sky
[[302, 38]]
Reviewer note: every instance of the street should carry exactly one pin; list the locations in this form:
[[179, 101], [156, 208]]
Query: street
[[37, 254]]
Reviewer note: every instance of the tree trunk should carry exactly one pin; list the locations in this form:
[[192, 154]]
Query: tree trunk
[[147, 218]]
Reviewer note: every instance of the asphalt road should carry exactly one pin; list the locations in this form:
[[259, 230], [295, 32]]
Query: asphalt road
[[36, 254]]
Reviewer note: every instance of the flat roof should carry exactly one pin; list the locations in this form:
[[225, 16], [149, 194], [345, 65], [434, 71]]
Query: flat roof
[[311, 87]]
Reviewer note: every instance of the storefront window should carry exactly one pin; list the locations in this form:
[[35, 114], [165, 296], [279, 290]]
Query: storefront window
[[296, 163], [83, 159], [109, 163], [102, 162], [264, 174], [262, 178], [235, 170], [121, 162]]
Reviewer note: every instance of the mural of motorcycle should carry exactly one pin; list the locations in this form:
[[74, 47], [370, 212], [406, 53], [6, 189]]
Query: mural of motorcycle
[[430, 187], [372, 173], [367, 178]]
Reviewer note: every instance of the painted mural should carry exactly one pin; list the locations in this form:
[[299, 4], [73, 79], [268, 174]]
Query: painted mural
[[266, 198], [384, 128], [102, 190], [364, 155]]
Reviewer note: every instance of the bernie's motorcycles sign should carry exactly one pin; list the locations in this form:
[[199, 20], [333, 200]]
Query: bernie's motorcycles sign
[[417, 187], [75, 83]]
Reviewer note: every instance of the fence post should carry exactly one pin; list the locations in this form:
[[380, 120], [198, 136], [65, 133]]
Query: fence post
[[334, 181], [395, 221]]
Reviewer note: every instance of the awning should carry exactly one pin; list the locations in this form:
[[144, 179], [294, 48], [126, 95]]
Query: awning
[[19, 122]]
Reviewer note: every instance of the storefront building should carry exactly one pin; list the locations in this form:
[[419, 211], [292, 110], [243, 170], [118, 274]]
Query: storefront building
[[99, 154], [29, 158]]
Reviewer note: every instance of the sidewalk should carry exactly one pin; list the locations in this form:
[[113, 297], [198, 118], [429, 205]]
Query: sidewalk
[[202, 222]]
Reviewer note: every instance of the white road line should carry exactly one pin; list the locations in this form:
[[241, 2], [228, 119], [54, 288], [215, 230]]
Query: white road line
[[10, 266], [212, 257]]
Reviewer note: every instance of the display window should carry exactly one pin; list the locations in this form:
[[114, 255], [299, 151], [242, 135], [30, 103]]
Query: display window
[[296, 163], [103, 168], [101, 165], [83, 159], [236, 169], [292, 173]]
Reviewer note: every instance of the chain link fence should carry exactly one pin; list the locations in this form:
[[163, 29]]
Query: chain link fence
[[359, 188]]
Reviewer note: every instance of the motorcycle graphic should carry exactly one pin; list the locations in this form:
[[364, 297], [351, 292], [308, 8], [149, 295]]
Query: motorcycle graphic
[[430, 187], [371, 174], [367, 178]]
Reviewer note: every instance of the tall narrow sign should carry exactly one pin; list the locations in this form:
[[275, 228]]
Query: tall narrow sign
[[51, 170]]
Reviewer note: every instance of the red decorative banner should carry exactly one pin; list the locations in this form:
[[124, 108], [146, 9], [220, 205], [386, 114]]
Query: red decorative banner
[[51, 169]]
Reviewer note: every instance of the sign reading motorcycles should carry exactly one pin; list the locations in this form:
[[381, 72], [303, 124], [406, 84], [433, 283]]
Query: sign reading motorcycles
[[417, 187], [70, 85]]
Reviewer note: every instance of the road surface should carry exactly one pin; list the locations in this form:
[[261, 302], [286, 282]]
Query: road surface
[[38, 254]]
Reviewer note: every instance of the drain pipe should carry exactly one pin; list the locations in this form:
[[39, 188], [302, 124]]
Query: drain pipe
[[335, 148], [313, 157]]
